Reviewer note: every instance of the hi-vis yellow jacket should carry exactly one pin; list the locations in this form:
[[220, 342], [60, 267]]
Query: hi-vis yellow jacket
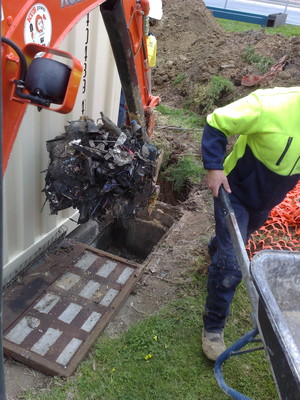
[[151, 48], [265, 162]]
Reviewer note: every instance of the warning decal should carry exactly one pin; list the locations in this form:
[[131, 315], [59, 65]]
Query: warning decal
[[38, 25]]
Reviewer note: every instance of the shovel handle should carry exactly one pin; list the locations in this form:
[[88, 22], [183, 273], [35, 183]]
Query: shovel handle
[[225, 201], [238, 245]]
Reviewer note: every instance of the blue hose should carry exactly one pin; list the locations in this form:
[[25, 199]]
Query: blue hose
[[239, 344]]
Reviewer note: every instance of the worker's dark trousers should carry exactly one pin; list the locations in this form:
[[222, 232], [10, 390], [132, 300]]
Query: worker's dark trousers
[[224, 273]]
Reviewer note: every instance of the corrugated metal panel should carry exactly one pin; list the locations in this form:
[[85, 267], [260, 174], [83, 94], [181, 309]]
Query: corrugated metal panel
[[27, 227]]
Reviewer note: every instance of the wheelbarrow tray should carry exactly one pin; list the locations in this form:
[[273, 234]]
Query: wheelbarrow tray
[[276, 276]]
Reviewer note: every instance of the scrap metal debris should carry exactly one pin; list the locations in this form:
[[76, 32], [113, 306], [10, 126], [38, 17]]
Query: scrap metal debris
[[101, 170]]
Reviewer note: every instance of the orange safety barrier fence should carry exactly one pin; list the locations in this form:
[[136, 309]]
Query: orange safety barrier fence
[[282, 229]]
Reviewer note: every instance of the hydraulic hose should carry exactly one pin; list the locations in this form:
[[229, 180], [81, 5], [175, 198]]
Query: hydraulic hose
[[20, 54], [23, 73]]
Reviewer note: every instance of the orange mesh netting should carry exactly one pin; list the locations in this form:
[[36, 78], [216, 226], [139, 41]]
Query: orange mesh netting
[[282, 229]]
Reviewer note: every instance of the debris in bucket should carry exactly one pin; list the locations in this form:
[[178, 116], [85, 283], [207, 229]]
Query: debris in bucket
[[101, 170]]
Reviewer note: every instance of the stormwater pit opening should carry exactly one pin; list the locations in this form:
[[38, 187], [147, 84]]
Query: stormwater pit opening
[[135, 240], [56, 311]]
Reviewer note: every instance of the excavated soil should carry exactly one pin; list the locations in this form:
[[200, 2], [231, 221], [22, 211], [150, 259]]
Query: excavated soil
[[191, 44]]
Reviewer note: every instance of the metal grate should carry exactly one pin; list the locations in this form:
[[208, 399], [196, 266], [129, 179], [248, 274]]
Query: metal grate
[[58, 326]]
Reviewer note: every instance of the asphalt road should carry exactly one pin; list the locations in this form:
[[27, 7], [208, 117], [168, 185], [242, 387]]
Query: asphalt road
[[293, 13]]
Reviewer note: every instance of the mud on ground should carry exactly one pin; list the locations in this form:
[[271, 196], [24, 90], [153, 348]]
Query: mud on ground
[[190, 43]]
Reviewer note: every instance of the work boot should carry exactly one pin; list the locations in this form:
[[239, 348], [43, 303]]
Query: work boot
[[213, 344]]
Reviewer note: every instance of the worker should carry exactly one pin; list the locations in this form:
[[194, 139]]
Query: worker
[[151, 49], [262, 168], [155, 14]]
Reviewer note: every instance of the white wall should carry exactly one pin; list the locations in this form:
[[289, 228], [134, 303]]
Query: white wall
[[26, 228]]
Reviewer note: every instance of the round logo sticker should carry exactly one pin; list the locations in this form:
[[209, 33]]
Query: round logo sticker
[[38, 26]]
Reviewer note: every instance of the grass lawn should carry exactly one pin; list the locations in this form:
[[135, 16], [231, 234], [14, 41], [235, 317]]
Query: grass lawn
[[237, 26]]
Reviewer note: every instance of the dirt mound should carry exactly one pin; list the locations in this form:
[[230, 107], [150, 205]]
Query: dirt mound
[[192, 48]]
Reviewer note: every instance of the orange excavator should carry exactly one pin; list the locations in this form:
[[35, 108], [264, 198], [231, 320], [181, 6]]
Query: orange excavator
[[31, 75], [30, 40]]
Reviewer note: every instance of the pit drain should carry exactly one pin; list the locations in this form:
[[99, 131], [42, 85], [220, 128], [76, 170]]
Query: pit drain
[[55, 313], [134, 243]]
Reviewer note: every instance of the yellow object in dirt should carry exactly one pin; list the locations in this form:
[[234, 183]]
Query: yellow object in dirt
[[151, 47]]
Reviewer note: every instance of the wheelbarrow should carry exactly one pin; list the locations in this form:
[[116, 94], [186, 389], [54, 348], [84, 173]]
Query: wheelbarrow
[[272, 280]]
